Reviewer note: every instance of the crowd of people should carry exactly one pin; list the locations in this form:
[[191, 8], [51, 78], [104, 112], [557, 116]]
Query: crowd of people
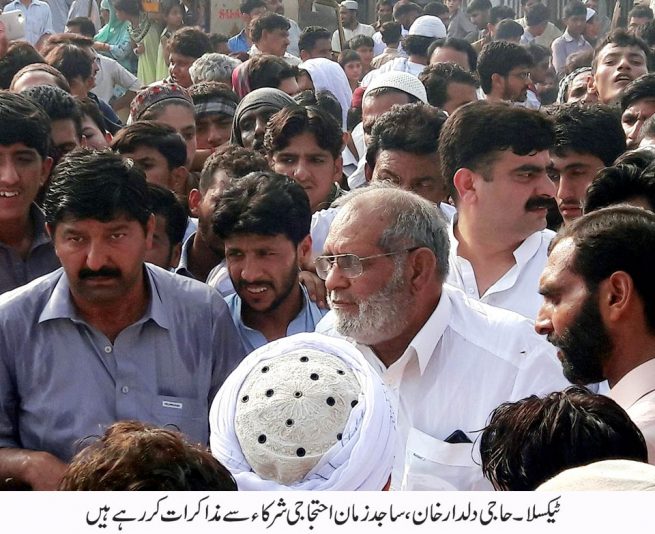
[[411, 255]]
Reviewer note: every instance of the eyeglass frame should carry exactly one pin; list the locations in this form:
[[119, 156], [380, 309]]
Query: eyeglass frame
[[334, 257]]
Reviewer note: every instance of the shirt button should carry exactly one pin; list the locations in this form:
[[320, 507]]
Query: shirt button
[[108, 349], [125, 389]]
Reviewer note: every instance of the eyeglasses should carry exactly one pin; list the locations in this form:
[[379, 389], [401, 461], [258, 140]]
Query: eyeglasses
[[521, 75], [350, 264]]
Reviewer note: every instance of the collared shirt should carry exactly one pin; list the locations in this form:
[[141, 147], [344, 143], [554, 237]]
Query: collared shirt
[[460, 26], [59, 10], [401, 64], [183, 266], [291, 60], [294, 37], [114, 80], [388, 54], [379, 46], [518, 289], [564, 46], [239, 43], [306, 320], [546, 39], [38, 19], [467, 359], [62, 380], [41, 258], [635, 393], [360, 29]]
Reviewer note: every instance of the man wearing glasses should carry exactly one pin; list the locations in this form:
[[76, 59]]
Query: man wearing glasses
[[448, 361], [504, 72]]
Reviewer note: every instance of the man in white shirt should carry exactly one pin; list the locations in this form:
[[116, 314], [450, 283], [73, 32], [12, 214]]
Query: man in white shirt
[[38, 19], [502, 191], [598, 307], [351, 26], [448, 361], [277, 6], [270, 35]]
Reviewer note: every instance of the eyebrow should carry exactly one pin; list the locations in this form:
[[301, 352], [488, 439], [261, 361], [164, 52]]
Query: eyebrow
[[529, 167]]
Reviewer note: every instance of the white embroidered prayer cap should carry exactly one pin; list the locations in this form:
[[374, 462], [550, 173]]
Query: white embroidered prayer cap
[[428, 26], [403, 81]]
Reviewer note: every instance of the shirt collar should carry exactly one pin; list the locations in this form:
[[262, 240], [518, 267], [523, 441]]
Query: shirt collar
[[569, 38], [633, 386], [425, 342], [60, 304], [183, 265], [41, 236]]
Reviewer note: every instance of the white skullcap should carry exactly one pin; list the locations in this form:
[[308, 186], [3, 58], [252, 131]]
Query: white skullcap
[[590, 13], [608, 475], [428, 26], [324, 414], [403, 81], [350, 4]]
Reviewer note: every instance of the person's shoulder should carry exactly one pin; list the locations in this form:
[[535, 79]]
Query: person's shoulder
[[182, 293], [366, 29], [28, 301]]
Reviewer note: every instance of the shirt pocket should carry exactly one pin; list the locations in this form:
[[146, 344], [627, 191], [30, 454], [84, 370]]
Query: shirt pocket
[[434, 465], [187, 415]]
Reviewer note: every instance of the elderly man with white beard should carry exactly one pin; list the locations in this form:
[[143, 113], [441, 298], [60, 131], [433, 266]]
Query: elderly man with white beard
[[449, 361]]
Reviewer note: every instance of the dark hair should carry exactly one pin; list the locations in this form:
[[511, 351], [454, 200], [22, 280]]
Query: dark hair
[[500, 57], [86, 26], [641, 157], [588, 129], [217, 38], [461, 45], [57, 103], [619, 184], [163, 202], [204, 92], [412, 128], [25, 122], [417, 45], [131, 7], [311, 35], [622, 38], [263, 203], [641, 12], [157, 135], [265, 70], [538, 52], [646, 32], [133, 456], [293, 121], [76, 39], [347, 56], [235, 161], [508, 29], [168, 5], [648, 130], [99, 185], [60, 80], [323, 100], [435, 9], [71, 60], [574, 9], [536, 14], [400, 10], [269, 22], [478, 5], [390, 32], [361, 40], [495, 127], [437, 77], [191, 42], [618, 238], [89, 107], [247, 6], [499, 13], [19, 54], [639, 89], [530, 441]]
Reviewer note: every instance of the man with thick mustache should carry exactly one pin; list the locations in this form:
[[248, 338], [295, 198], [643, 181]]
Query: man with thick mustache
[[598, 308], [107, 337], [494, 157]]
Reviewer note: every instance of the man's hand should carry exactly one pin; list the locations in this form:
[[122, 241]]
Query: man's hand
[[315, 287], [43, 471]]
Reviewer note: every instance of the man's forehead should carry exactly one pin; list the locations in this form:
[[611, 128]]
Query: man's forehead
[[617, 50]]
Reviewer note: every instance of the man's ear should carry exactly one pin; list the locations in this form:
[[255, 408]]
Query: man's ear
[[423, 264], [194, 200], [591, 84], [338, 170], [497, 81], [464, 184], [176, 254], [304, 251], [150, 230], [368, 172], [617, 296], [179, 177], [46, 168]]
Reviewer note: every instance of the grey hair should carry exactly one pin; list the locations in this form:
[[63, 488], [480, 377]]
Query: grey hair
[[412, 220], [213, 67]]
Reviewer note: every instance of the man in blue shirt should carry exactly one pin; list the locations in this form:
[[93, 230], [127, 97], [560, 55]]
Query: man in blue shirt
[[250, 9], [106, 338], [264, 220], [38, 19]]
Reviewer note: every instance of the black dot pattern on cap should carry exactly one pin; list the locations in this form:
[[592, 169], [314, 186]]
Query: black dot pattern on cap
[[313, 376], [289, 422], [261, 438], [339, 436], [297, 394], [265, 369], [304, 359], [354, 403], [340, 372], [330, 401], [245, 398], [300, 452], [269, 392]]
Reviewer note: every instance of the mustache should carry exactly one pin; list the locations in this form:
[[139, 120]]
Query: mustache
[[536, 203], [103, 272]]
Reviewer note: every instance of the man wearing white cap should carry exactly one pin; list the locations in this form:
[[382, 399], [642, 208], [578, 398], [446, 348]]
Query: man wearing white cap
[[423, 32], [306, 412], [351, 26]]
